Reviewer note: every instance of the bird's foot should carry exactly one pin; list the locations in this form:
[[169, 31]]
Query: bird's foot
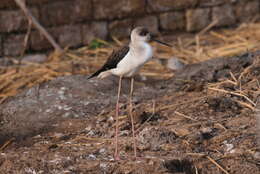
[[116, 157]]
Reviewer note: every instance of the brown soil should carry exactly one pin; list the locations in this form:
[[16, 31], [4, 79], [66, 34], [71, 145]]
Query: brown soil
[[192, 123]]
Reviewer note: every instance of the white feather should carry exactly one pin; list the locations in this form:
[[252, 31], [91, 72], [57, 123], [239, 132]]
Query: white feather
[[137, 56]]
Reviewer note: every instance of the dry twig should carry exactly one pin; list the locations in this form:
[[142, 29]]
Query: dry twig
[[185, 116], [21, 4], [25, 43], [219, 166], [234, 93], [7, 143]]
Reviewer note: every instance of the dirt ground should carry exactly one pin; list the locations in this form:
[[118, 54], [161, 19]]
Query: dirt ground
[[200, 121]]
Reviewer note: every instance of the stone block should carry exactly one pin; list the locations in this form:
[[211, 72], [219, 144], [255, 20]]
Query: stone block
[[13, 45], [173, 20], [94, 30], [35, 58], [82, 10], [110, 9], [151, 22], [7, 4], [56, 13], [121, 28], [1, 46], [245, 10], [15, 20], [224, 14], [38, 41], [10, 4], [197, 19], [167, 5], [66, 36], [60, 12], [211, 3], [37, 2], [69, 36]]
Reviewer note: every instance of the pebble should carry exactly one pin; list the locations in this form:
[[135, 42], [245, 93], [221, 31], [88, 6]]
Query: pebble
[[175, 64]]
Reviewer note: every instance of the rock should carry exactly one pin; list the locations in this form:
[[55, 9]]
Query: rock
[[92, 157], [153, 138], [224, 104], [229, 147], [66, 36], [245, 11], [13, 45], [121, 28], [206, 130], [111, 9], [94, 30], [38, 41], [257, 155], [167, 5], [224, 15], [209, 71], [37, 2], [207, 133], [150, 22], [175, 64], [171, 63], [69, 35], [35, 58], [172, 21], [67, 12], [57, 13], [197, 19], [83, 10], [1, 46], [14, 20], [211, 3], [104, 167], [180, 166], [5, 61], [37, 109], [7, 3]]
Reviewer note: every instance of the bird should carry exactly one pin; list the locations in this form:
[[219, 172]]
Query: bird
[[126, 63]]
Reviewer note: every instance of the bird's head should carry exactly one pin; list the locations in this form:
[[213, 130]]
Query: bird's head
[[141, 34]]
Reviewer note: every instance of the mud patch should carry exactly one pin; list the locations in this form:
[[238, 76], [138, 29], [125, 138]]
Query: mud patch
[[188, 127], [223, 104], [184, 166], [153, 138], [150, 117]]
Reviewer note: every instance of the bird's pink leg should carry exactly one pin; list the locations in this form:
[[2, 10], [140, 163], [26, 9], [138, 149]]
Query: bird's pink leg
[[131, 114], [117, 115]]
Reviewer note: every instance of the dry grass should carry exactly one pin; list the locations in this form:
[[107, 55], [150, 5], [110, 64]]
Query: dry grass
[[226, 42], [245, 86], [193, 49]]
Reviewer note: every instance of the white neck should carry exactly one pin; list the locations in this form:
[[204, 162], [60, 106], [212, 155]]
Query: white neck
[[138, 46], [141, 50]]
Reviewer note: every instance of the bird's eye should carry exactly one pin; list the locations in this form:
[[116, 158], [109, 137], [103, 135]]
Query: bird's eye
[[143, 32]]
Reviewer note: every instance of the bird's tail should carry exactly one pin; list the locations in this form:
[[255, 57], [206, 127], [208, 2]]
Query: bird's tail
[[94, 74]]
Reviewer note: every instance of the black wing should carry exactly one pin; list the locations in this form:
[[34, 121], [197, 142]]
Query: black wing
[[112, 60]]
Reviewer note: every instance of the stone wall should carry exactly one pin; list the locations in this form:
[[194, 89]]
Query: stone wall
[[76, 22]]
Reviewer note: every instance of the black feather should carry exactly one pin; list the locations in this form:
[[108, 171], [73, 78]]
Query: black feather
[[112, 61], [143, 32]]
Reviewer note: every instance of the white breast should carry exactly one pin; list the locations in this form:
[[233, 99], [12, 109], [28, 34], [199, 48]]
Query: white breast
[[134, 60]]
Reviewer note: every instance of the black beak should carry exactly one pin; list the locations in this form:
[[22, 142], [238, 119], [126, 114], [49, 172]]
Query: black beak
[[166, 44]]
